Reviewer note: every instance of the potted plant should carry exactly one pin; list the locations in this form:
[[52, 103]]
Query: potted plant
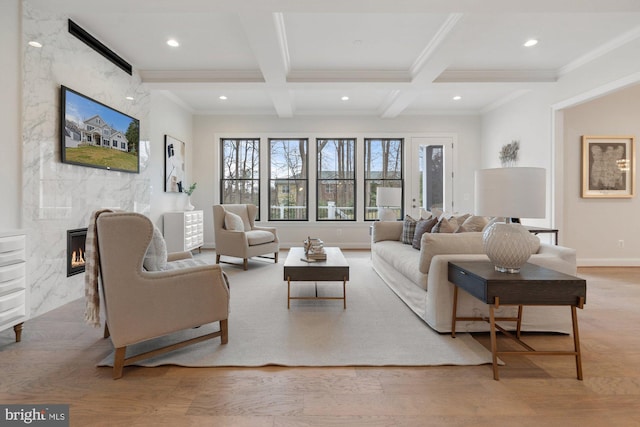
[[189, 191]]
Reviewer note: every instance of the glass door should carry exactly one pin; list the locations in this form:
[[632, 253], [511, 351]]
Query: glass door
[[431, 182]]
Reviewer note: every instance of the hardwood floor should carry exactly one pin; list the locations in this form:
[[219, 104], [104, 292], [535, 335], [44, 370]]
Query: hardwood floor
[[56, 363]]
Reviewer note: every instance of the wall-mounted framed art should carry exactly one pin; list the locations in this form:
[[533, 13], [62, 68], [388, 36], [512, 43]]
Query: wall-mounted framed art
[[174, 165], [608, 166]]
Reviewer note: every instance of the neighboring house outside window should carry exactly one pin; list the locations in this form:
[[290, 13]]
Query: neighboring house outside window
[[335, 196], [288, 179]]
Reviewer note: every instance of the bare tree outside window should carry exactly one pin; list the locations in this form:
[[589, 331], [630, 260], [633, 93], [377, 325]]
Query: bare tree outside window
[[336, 180], [240, 166], [288, 179], [382, 168]]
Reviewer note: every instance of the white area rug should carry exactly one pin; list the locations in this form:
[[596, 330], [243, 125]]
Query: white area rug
[[376, 329]]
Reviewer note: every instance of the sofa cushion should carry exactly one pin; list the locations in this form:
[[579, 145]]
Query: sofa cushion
[[408, 229], [155, 259], [423, 226], [259, 237], [233, 222], [448, 243], [402, 258]]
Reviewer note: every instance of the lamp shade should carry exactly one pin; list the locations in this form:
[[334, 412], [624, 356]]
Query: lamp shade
[[511, 192], [388, 197]]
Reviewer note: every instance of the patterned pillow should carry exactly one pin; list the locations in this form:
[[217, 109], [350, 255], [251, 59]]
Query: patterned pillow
[[408, 230], [155, 259], [423, 226]]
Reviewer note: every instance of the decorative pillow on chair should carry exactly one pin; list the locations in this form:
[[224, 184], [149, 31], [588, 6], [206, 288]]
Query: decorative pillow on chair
[[155, 259], [233, 222]]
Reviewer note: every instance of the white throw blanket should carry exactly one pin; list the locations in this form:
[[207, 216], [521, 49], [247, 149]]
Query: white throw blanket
[[92, 271]]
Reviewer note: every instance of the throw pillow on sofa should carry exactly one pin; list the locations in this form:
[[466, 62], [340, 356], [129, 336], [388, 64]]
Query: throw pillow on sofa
[[408, 229], [423, 226], [473, 223]]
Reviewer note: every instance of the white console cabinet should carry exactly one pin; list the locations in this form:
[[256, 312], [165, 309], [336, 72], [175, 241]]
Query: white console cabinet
[[14, 309], [183, 231]]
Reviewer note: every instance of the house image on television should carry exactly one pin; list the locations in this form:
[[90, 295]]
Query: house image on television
[[94, 131]]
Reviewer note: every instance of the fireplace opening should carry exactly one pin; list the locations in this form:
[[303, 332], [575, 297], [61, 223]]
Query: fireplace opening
[[76, 240]]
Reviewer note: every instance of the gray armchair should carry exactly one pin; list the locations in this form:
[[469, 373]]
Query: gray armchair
[[236, 234], [140, 304]]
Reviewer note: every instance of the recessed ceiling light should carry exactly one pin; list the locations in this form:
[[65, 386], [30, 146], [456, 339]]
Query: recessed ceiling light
[[173, 43], [130, 98], [222, 97], [345, 98], [530, 43], [35, 44], [457, 98]]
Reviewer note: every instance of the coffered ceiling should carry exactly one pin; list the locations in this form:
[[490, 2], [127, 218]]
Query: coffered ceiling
[[390, 58]]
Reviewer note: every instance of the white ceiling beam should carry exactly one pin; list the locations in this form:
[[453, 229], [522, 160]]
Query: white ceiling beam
[[267, 38], [426, 67]]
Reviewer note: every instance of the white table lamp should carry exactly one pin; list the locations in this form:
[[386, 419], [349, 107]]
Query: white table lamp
[[388, 198], [511, 193]]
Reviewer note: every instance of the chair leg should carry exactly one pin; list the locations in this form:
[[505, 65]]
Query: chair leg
[[275, 257], [246, 264], [224, 330], [106, 334], [217, 259], [118, 362]]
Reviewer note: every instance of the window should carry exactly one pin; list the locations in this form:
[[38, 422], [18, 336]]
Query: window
[[115, 143], [240, 166], [382, 168], [288, 179], [336, 180], [123, 146]]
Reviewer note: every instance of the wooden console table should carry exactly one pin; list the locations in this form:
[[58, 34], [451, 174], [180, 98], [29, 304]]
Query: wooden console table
[[539, 230], [534, 285]]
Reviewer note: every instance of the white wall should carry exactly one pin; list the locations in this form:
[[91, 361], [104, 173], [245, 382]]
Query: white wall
[[167, 118], [10, 114], [348, 235], [594, 226], [537, 120]]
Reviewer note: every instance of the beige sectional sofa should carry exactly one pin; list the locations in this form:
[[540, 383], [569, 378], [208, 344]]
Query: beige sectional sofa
[[420, 278]]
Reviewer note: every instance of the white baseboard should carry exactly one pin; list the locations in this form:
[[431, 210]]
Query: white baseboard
[[608, 262]]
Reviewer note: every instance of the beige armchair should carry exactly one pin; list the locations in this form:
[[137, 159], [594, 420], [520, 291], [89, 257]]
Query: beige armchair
[[140, 304], [236, 234]]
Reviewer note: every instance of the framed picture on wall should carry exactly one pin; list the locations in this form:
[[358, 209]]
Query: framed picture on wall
[[608, 166], [174, 164]]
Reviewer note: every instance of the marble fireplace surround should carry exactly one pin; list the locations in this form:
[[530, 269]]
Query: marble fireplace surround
[[59, 197]]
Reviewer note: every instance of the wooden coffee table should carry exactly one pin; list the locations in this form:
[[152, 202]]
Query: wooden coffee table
[[333, 269]]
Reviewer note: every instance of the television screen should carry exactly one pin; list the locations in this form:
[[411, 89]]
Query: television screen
[[98, 136]]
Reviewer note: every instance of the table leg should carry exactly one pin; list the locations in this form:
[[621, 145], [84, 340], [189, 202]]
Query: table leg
[[519, 323], [344, 293], [17, 329], [576, 342], [494, 344], [288, 292], [454, 313]]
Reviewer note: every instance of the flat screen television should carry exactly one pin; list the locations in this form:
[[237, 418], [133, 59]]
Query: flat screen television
[[95, 135]]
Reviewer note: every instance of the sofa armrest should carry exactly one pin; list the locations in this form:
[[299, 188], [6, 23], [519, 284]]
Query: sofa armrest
[[386, 230]]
